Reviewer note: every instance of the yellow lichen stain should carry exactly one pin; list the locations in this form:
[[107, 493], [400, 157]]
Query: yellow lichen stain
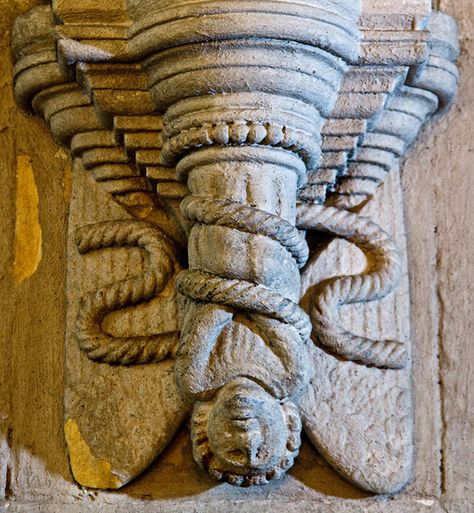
[[88, 470], [28, 235], [67, 182]]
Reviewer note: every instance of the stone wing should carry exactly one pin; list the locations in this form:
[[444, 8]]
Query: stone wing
[[123, 256], [357, 411], [359, 416]]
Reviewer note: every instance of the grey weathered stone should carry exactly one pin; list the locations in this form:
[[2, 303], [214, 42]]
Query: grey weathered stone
[[242, 117]]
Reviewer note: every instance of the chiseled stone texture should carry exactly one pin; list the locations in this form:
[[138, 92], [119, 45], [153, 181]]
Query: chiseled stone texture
[[35, 476]]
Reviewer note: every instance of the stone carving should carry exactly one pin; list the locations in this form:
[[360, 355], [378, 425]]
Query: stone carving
[[230, 134], [93, 340]]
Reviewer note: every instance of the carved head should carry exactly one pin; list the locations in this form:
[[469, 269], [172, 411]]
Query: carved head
[[245, 436]]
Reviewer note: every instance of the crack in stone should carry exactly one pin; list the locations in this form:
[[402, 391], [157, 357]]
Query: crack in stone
[[440, 316]]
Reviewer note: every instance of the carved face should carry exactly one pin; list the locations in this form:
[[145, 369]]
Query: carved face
[[247, 428]]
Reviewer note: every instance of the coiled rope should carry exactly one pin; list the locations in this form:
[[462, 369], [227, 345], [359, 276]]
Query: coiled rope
[[219, 212], [99, 345], [211, 296], [381, 278], [245, 296]]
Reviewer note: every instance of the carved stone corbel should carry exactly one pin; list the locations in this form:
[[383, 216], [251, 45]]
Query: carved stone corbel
[[229, 134]]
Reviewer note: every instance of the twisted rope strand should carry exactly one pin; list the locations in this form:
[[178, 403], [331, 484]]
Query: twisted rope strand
[[93, 340], [300, 142], [381, 278], [243, 295], [211, 211]]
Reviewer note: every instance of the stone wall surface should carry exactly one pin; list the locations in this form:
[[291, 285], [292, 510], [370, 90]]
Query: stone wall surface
[[34, 473]]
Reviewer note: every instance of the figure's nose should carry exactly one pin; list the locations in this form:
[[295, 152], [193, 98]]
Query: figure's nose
[[249, 442]]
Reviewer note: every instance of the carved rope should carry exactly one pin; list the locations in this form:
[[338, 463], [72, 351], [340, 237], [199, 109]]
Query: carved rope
[[93, 340], [245, 296], [244, 109], [381, 278], [240, 217], [244, 132]]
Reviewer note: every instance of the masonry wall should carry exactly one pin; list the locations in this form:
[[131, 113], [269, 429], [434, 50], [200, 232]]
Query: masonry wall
[[438, 180]]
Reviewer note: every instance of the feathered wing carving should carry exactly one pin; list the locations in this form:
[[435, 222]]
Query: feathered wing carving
[[132, 104]]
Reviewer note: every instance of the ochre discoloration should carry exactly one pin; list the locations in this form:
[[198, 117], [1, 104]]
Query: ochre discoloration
[[67, 182], [28, 235], [87, 469]]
